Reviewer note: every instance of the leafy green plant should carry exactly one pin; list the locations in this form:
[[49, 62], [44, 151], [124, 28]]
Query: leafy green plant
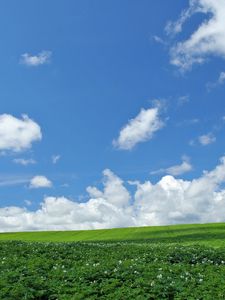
[[110, 270]]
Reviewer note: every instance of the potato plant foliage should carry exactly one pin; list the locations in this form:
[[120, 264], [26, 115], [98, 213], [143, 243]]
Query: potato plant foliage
[[110, 270]]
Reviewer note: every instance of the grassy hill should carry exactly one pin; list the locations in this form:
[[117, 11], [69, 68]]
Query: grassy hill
[[206, 234]]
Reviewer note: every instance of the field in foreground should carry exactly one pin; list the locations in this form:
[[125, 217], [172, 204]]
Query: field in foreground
[[118, 270], [169, 262], [205, 234]]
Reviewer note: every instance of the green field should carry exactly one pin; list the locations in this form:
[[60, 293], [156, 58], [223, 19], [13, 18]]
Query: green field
[[147, 263], [204, 234]]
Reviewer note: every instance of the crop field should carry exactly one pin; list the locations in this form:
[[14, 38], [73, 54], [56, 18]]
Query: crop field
[[169, 262]]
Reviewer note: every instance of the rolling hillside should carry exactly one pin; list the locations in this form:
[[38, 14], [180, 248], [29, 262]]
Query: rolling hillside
[[207, 234]]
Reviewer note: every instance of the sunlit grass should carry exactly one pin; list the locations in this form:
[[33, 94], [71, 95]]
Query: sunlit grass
[[206, 234]]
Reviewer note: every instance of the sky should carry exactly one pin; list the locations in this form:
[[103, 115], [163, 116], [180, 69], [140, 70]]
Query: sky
[[112, 113]]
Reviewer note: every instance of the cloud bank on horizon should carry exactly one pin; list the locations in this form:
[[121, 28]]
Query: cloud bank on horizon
[[169, 201]]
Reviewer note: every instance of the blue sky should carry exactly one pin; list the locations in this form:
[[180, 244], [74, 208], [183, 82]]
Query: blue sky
[[135, 88]]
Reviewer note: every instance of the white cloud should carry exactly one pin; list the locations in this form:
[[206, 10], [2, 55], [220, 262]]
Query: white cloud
[[18, 134], [24, 162], [206, 139], [208, 39], [28, 202], [173, 28], [221, 78], [40, 182], [104, 209], [188, 122], [65, 185], [35, 60], [184, 167], [114, 191], [158, 40], [183, 100], [12, 179], [139, 129], [55, 158], [219, 81], [169, 201], [176, 170]]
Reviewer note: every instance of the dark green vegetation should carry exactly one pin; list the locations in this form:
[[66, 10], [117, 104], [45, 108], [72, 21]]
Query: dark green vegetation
[[207, 234], [104, 270], [168, 262]]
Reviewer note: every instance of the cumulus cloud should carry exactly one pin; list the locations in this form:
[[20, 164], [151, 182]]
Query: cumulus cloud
[[176, 170], [36, 60], [139, 129], [114, 192], [24, 162], [18, 134], [208, 39], [206, 139], [168, 201], [40, 181]]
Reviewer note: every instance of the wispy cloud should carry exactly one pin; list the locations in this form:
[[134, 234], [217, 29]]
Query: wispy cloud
[[55, 158], [183, 100], [220, 80], [36, 60], [208, 39], [173, 28], [176, 170], [11, 180], [203, 140], [206, 139], [188, 122], [24, 162], [28, 202], [159, 40]]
